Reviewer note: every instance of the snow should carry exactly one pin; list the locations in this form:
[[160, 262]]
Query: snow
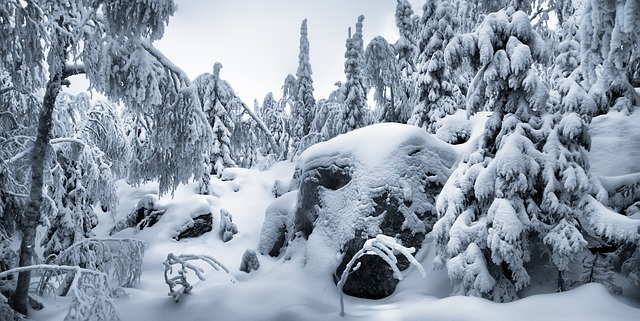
[[383, 139], [615, 134], [284, 289]]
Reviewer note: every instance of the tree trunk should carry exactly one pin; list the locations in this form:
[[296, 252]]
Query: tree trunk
[[29, 221]]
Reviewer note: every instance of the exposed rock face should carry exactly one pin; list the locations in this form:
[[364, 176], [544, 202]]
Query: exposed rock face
[[201, 224], [382, 179]]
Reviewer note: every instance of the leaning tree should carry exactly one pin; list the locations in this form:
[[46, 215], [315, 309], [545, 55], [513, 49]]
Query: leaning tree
[[111, 43]]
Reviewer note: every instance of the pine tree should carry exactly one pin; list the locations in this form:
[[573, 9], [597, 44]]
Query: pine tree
[[354, 114]]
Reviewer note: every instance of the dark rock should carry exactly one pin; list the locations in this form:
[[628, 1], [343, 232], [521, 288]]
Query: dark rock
[[201, 224], [145, 214], [373, 280], [381, 179], [332, 177], [249, 261]]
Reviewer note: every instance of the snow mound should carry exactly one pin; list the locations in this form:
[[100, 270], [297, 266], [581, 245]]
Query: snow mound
[[615, 144]]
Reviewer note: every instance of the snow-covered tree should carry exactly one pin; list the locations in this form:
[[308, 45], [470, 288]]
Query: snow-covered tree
[[436, 92], [277, 121], [113, 41], [486, 206], [91, 152], [406, 49], [302, 113], [355, 110], [609, 35], [384, 76], [221, 106]]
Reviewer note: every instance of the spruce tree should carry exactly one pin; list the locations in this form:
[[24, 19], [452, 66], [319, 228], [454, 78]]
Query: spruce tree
[[406, 49], [354, 113], [220, 105], [437, 93], [486, 207], [302, 113]]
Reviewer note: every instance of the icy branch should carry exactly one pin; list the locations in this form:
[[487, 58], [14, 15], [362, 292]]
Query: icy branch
[[386, 248], [181, 278]]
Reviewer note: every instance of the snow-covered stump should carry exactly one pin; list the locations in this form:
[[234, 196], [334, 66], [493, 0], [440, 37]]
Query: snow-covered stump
[[227, 227], [179, 284], [249, 261], [384, 247]]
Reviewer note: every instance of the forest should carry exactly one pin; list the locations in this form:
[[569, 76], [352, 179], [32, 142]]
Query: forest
[[489, 154]]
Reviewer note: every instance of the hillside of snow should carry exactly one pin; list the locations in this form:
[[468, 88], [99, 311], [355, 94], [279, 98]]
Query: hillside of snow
[[284, 290]]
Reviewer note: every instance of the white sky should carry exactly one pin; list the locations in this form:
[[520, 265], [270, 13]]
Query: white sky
[[257, 41]]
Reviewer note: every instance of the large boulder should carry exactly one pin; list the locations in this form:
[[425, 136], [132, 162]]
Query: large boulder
[[382, 179]]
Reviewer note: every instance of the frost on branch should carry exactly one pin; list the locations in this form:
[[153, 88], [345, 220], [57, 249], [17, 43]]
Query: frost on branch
[[386, 248], [179, 284]]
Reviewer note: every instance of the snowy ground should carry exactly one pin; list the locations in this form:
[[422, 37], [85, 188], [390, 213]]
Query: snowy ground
[[284, 290]]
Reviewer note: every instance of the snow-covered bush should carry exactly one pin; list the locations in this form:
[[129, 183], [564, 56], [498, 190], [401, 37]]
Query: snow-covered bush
[[249, 261], [179, 284], [93, 299], [119, 259], [227, 227], [385, 247]]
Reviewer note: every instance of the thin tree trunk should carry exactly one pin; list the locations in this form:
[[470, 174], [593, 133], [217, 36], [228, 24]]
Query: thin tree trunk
[[29, 221]]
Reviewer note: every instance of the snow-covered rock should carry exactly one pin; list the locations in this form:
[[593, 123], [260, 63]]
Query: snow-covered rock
[[381, 179]]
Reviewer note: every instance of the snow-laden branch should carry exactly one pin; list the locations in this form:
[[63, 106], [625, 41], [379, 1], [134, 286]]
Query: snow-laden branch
[[181, 278], [386, 248], [264, 128], [609, 224]]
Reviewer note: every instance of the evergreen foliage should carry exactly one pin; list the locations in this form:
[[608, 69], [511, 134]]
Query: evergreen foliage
[[437, 94], [354, 113]]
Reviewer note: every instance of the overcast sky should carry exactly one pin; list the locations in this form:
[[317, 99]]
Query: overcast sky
[[257, 41]]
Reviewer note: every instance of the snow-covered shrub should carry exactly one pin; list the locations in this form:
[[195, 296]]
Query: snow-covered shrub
[[249, 261], [227, 227], [119, 259], [385, 247], [178, 284], [93, 299]]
